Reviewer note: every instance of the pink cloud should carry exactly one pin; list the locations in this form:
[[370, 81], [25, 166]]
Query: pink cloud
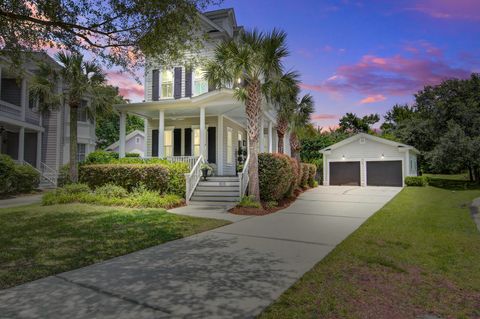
[[319, 117], [128, 87], [373, 99], [393, 75], [449, 9]]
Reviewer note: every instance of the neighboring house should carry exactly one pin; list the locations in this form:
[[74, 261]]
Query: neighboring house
[[41, 140], [134, 143], [186, 120], [368, 160]]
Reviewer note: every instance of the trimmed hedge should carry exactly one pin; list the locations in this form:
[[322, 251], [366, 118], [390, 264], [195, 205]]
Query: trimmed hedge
[[276, 176], [312, 172], [15, 178], [161, 178], [416, 181], [7, 167], [305, 172], [296, 177], [101, 157]]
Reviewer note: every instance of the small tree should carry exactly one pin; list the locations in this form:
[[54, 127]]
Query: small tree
[[304, 108]]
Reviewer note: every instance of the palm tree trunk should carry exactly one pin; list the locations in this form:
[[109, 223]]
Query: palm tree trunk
[[73, 143], [253, 108], [295, 146], [282, 126], [280, 136]]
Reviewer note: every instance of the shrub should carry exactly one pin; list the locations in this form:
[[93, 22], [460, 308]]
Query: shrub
[[312, 172], [101, 157], [276, 176], [111, 190], [295, 178], [248, 202], [271, 204], [7, 166], [176, 178], [132, 155], [25, 179], [416, 181], [304, 174], [64, 176], [73, 189]]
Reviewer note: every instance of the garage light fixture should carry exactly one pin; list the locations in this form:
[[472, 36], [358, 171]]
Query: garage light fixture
[[343, 157], [383, 156]]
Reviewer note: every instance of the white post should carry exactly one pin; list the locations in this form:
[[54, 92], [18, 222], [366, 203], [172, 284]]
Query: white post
[[220, 145], [262, 136], [21, 144], [270, 137], [161, 134], [145, 139], [39, 149], [123, 128], [202, 132], [24, 98]]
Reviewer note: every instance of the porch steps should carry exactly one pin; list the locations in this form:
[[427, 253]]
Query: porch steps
[[217, 191]]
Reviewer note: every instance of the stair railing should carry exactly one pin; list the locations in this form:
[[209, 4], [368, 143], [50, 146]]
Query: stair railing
[[243, 177], [192, 178], [48, 173]]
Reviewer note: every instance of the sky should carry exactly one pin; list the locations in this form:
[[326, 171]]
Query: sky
[[363, 56]]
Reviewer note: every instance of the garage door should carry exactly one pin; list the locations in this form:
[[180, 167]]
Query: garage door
[[384, 173], [345, 173]]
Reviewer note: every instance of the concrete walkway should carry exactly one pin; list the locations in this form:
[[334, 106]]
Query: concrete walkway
[[475, 209], [230, 272], [20, 201]]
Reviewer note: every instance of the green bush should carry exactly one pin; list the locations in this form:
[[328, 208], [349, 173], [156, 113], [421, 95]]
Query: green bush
[[25, 179], [271, 204], [77, 188], [276, 176], [64, 176], [7, 169], [101, 157], [111, 190], [176, 178], [304, 174], [311, 173], [132, 155], [295, 178], [416, 181], [248, 202]]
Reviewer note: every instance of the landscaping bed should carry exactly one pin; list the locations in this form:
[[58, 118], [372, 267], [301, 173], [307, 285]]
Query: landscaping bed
[[417, 256], [38, 241]]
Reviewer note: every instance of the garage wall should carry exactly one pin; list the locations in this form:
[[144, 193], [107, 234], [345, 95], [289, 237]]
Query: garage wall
[[369, 150]]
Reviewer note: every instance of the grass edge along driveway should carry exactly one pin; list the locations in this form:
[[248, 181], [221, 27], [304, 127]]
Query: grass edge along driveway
[[418, 255], [39, 241]]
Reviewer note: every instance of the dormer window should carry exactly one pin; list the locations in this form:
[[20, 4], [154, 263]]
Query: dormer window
[[167, 84], [200, 84]]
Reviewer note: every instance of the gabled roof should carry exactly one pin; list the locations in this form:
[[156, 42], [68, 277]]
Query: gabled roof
[[371, 138], [127, 138]]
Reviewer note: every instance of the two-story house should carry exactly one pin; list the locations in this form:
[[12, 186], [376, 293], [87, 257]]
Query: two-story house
[[185, 120], [28, 136]]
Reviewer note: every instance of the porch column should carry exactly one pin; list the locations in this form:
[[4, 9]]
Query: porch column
[[161, 134], [123, 128], [262, 136], [24, 98], [39, 150], [270, 137], [21, 144], [202, 132], [145, 139], [220, 145]]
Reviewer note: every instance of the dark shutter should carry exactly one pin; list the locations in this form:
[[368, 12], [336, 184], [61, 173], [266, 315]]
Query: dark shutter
[[177, 83], [154, 143], [212, 145], [155, 85], [177, 142], [188, 82], [188, 142]]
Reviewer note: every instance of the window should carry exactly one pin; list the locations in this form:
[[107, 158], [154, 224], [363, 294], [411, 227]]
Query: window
[[168, 142], [82, 115], [196, 142], [229, 146], [200, 85], [81, 150], [167, 84]]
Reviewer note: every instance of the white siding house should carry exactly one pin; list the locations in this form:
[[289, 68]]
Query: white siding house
[[134, 143]]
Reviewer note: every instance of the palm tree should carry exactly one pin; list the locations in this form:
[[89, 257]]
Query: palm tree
[[251, 64], [303, 110], [82, 80]]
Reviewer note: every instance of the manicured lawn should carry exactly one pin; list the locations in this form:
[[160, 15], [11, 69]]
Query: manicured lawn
[[38, 241], [418, 255], [456, 177]]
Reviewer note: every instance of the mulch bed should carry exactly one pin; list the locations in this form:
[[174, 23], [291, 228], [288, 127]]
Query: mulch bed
[[283, 203]]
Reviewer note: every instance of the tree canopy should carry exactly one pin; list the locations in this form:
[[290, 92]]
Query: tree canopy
[[118, 32], [350, 122]]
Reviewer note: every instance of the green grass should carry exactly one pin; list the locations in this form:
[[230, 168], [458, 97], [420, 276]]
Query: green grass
[[418, 255], [38, 241]]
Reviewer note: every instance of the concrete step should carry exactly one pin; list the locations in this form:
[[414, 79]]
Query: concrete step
[[218, 183], [222, 178], [216, 194], [209, 188], [223, 205], [215, 198]]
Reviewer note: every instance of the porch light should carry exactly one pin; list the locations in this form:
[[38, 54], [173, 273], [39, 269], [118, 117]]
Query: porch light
[[343, 157], [239, 80], [383, 156]]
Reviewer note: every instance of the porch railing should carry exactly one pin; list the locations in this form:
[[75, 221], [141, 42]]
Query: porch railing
[[192, 178], [190, 160], [243, 177]]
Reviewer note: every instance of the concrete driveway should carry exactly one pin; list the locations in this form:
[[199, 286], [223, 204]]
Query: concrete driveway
[[231, 272]]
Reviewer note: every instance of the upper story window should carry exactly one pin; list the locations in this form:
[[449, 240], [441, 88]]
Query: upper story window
[[167, 84], [200, 84], [82, 115], [11, 91]]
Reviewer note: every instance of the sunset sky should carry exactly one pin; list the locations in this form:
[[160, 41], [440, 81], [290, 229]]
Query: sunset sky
[[364, 56]]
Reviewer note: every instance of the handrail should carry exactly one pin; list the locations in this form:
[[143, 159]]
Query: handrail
[[48, 173], [192, 178], [243, 177]]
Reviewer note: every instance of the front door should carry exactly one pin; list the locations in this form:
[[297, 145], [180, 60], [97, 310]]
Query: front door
[[212, 145]]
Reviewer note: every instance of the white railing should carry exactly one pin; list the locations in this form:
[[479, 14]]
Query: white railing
[[243, 177], [192, 178], [190, 160], [49, 173]]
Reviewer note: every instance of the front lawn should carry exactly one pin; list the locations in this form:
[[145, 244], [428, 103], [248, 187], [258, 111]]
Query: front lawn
[[38, 241], [418, 255]]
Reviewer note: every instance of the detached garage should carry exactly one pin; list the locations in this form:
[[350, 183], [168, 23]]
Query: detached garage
[[367, 160]]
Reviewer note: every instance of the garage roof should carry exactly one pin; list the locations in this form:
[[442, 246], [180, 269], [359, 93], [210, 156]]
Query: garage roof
[[372, 138]]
